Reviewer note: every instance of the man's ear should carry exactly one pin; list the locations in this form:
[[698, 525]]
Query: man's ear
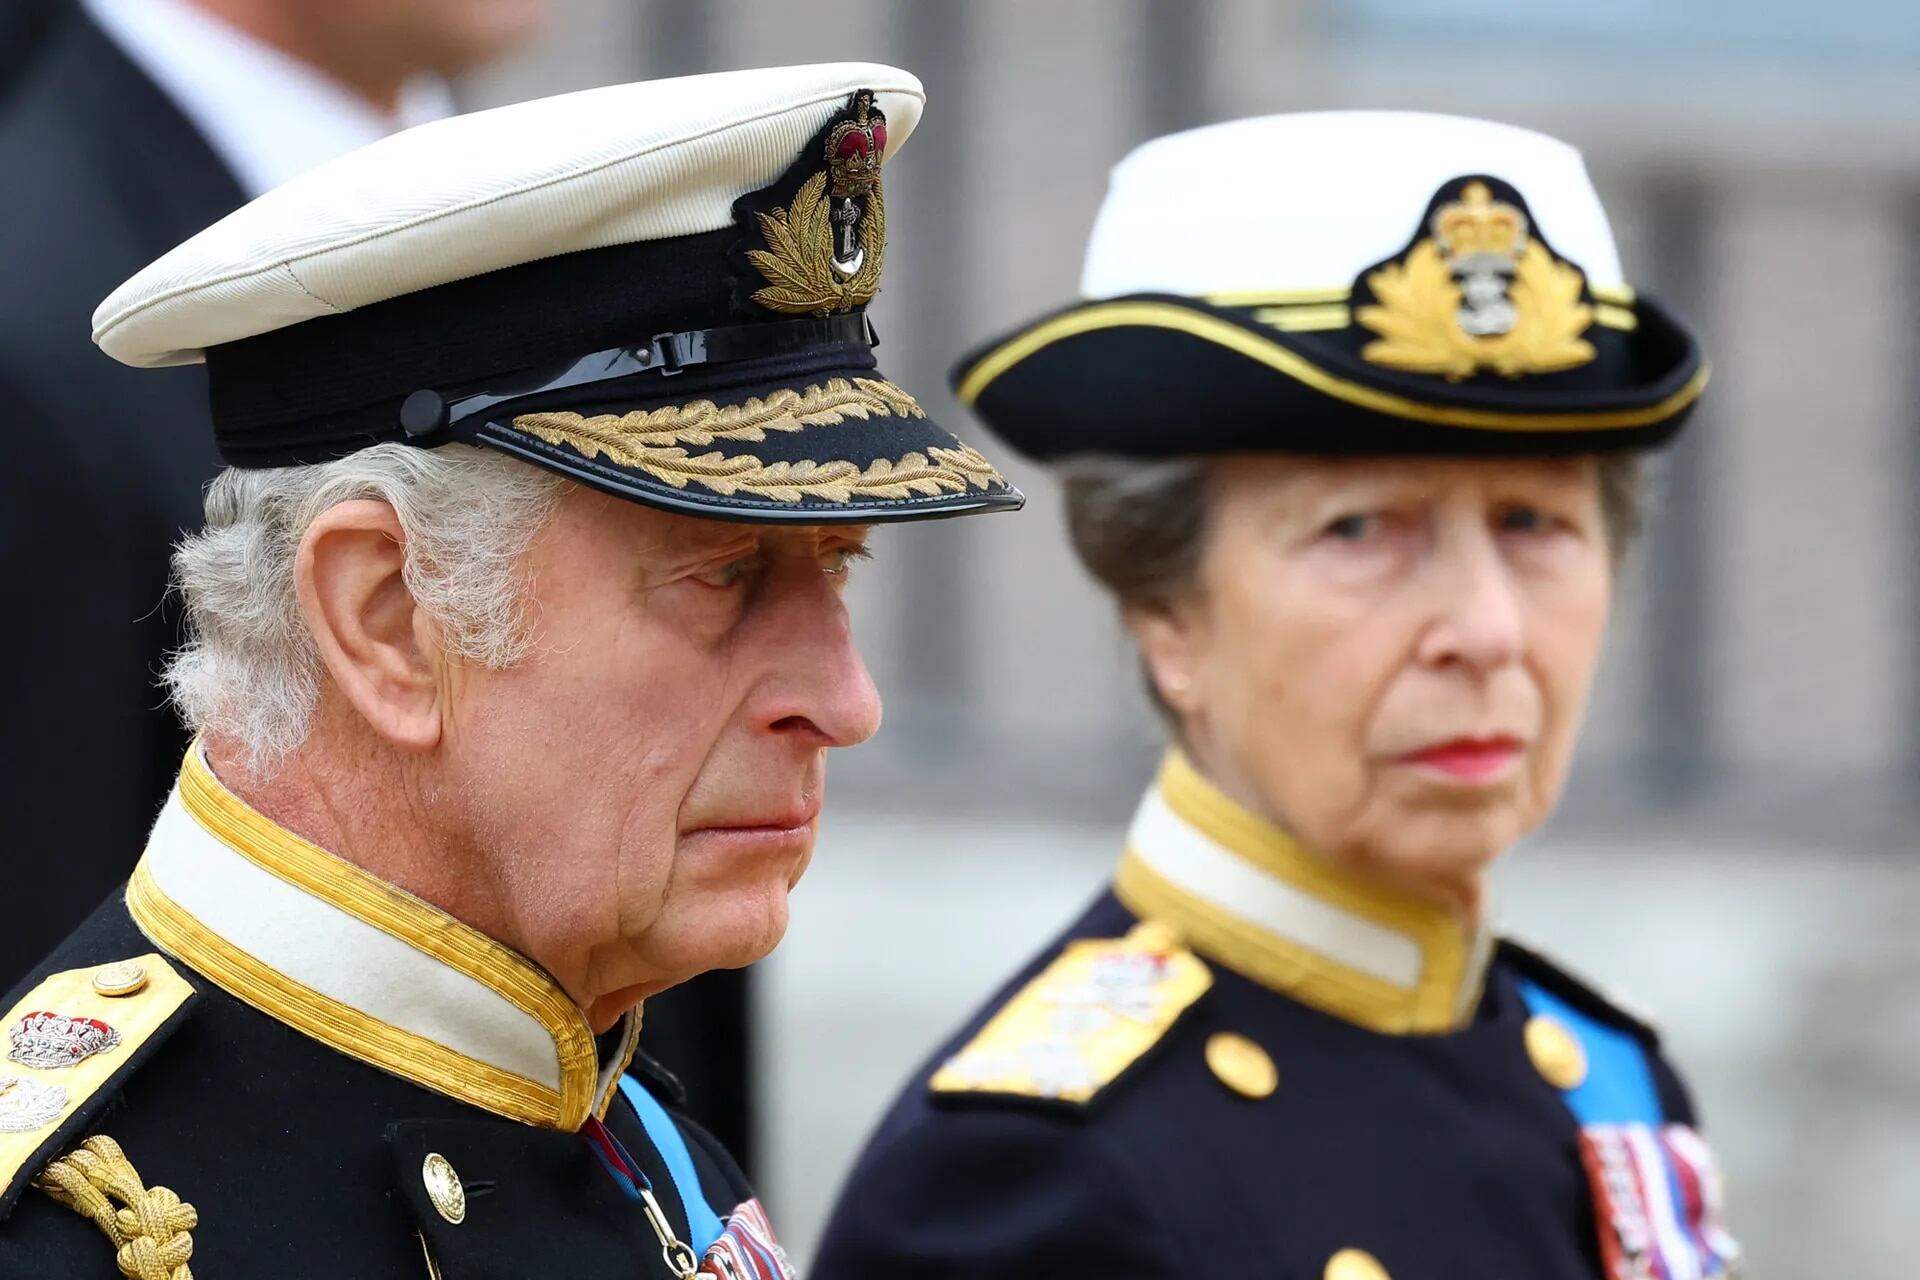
[[378, 645], [1164, 633]]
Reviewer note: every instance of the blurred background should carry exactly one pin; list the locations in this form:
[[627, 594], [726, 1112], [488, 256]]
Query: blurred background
[[1735, 854]]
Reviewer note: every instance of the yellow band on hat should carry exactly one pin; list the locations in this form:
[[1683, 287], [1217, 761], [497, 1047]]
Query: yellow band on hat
[[1225, 333]]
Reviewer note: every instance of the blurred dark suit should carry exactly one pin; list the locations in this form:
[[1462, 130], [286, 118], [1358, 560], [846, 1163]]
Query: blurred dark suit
[[102, 472], [23, 24]]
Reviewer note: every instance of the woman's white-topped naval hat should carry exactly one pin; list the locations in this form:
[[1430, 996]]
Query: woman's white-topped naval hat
[[1345, 282], [657, 289]]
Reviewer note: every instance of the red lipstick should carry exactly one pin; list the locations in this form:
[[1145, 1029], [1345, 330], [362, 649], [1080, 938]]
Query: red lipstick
[[1469, 760]]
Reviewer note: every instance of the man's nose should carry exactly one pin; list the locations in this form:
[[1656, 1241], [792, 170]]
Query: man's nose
[[821, 688]]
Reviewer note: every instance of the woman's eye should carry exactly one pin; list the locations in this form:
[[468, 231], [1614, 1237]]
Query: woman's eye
[[1525, 520], [1353, 528]]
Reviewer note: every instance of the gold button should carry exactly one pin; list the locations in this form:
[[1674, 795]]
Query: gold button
[[1241, 1065], [1355, 1264], [443, 1188], [124, 978], [1555, 1053]]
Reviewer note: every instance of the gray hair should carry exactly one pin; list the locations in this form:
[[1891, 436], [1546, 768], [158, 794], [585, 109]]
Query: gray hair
[[250, 671], [1140, 527]]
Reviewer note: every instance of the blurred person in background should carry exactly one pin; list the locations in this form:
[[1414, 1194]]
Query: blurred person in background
[[23, 23], [1349, 424], [518, 649], [134, 124]]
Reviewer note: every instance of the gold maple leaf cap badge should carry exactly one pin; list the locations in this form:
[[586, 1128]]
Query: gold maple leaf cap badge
[[1477, 290], [1476, 337]]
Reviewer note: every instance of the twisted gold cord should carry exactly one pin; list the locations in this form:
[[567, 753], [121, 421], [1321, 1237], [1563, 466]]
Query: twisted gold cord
[[148, 1225]]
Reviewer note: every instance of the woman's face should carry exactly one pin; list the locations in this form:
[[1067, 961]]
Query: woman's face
[[1389, 657]]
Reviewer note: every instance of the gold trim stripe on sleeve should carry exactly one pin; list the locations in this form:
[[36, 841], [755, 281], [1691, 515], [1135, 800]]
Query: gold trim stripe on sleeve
[[1225, 333]]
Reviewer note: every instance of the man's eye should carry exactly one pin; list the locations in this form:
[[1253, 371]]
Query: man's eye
[[839, 561], [725, 575], [1353, 528]]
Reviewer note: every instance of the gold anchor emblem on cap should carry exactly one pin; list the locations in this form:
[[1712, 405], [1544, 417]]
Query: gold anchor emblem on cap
[[1242, 1065], [444, 1189], [1556, 1055]]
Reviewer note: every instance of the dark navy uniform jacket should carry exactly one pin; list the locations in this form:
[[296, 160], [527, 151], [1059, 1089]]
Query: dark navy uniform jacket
[[1273, 1123], [340, 1081]]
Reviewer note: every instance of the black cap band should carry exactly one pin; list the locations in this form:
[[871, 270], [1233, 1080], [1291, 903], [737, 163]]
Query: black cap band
[[429, 412]]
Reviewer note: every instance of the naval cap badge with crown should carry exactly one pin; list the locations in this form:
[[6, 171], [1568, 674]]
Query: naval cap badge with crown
[[1480, 291], [824, 249]]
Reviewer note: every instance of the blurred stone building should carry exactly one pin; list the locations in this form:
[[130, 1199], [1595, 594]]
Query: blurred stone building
[[1736, 844]]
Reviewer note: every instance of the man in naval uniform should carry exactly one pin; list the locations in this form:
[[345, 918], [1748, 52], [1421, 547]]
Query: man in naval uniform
[[518, 648]]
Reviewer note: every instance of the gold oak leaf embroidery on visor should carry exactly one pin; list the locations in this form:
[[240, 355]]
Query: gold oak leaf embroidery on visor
[[702, 422], [657, 442]]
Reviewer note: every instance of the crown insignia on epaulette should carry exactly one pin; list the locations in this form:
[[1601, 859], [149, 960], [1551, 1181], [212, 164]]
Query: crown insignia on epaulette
[[1480, 291], [53, 1040], [1083, 1021]]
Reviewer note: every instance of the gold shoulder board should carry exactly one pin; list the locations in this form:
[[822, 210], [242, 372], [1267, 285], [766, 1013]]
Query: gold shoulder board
[[69, 1044], [1083, 1020]]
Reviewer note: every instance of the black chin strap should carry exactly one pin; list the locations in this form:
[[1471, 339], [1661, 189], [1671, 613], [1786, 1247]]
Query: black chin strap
[[429, 412]]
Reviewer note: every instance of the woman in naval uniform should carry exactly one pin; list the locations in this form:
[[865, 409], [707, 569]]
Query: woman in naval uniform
[[1349, 422]]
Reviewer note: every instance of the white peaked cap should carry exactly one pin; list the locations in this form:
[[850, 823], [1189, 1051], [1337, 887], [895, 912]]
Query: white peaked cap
[[1309, 201], [1346, 282], [486, 191], [656, 289]]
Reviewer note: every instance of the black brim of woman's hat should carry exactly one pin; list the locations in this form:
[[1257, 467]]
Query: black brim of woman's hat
[[1482, 342], [1154, 375]]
